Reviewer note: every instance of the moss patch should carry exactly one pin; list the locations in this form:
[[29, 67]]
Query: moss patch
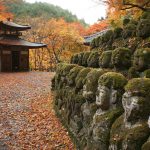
[[113, 79], [121, 58], [139, 84], [81, 77]]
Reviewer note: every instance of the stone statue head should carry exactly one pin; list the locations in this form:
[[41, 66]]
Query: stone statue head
[[141, 60], [81, 78], [73, 74], [121, 58], [105, 59], [136, 100], [110, 88], [91, 83]]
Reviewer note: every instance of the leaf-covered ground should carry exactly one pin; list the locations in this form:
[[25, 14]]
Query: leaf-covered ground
[[27, 118]]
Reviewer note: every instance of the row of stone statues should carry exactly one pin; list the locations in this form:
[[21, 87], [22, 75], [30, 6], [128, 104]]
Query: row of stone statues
[[120, 59], [102, 109]]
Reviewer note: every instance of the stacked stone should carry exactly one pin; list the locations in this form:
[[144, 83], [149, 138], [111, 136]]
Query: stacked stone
[[103, 97]]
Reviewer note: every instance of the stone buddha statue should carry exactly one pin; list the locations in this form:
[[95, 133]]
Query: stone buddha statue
[[89, 108], [121, 58], [105, 59], [141, 60], [108, 100], [130, 130]]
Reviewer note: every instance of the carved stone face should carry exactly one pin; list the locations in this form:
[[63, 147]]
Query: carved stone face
[[131, 106], [105, 97], [138, 62]]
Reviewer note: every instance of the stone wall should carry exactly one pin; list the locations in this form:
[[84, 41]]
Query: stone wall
[[103, 96]]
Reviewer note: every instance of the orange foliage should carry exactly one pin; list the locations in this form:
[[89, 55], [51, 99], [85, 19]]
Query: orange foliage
[[3, 13], [102, 25]]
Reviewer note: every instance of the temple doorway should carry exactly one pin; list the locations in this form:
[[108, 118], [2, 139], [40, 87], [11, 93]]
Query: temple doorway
[[15, 61]]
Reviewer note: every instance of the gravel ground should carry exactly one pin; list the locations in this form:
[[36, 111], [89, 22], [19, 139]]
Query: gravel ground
[[27, 118]]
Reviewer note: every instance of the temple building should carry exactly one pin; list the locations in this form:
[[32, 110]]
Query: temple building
[[14, 51]]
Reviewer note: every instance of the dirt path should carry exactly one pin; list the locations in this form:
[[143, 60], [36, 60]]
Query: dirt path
[[27, 119]]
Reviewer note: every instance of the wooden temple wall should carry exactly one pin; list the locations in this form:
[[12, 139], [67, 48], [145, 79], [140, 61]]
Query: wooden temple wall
[[14, 60]]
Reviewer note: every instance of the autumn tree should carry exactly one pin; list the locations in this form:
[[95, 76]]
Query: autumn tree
[[3, 12], [117, 9], [97, 27], [63, 39]]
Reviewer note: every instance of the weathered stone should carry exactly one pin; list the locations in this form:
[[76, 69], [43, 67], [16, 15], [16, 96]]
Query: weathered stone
[[109, 102], [121, 58], [105, 59], [141, 60], [93, 60], [130, 131]]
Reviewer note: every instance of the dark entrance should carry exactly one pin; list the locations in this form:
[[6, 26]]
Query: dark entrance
[[15, 61]]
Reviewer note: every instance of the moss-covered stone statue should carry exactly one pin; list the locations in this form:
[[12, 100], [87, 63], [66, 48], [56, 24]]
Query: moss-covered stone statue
[[130, 131], [89, 108], [121, 58], [105, 59], [74, 59], [108, 100], [62, 71], [76, 100], [146, 145], [143, 28], [72, 75], [141, 60], [93, 60], [85, 58]]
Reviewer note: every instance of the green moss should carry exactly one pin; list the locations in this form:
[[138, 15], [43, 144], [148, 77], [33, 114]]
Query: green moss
[[146, 145], [142, 85], [85, 58], [145, 15], [65, 69], [113, 79], [134, 137], [105, 59], [111, 115], [133, 73], [80, 79], [93, 45], [129, 30], [73, 74], [121, 58], [93, 60], [107, 36], [91, 83], [147, 73], [117, 32], [143, 28], [141, 59], [126, 21], [75, 59], [80, 57], [97, 41]]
